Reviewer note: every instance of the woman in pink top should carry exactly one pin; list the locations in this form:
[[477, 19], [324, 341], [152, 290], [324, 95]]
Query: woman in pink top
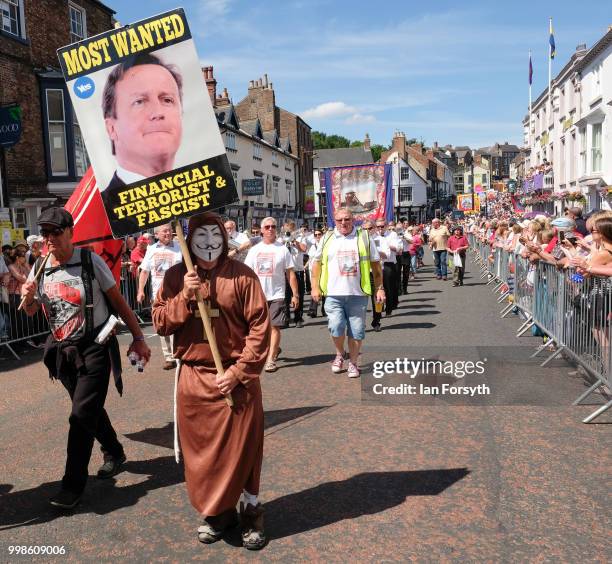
[[458, 243], [413, 250]]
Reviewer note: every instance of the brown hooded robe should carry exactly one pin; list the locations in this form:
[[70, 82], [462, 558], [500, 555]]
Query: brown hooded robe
[[222, 446]]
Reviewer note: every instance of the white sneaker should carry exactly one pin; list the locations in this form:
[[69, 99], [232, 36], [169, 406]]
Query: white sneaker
[[353, 371], [337, 364]]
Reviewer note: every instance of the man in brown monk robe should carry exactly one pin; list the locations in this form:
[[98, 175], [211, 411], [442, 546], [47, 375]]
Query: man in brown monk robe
[[222, 446]]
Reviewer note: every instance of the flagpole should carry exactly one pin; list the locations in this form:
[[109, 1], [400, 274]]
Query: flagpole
[[549, 74], [529, 124]]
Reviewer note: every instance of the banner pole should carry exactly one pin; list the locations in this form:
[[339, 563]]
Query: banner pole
[[36, 277], [208, 330]]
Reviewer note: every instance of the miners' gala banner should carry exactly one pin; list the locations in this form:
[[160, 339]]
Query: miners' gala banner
[[148, 123], [366, 190], [465, 202]]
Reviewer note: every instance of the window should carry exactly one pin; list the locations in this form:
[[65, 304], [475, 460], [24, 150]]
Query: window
[[257, 151], [583, 153], [81, 159], [562, 102], [275, 198], [57, 132], [596, 148], [67, 157], [235, 176], [597, 79], [77, 23], [405, 194], [11, 18], [274, 158], [290, 199], [20, 218], [230, 141], [404, 173]]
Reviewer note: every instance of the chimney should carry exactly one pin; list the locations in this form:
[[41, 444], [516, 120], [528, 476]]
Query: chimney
[[366, 143], [251, 84], [266, 80], [211, 83], [435, 145], [399, 143], [223, 99]]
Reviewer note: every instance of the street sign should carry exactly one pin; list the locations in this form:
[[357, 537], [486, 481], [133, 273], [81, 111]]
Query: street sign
[[10, 125], [252, 187]]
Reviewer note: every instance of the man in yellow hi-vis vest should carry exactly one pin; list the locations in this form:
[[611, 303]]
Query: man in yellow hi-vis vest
[[341, 272]]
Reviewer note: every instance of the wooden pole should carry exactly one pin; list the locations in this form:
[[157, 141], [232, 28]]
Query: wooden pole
[[208, 330], [36, 277]]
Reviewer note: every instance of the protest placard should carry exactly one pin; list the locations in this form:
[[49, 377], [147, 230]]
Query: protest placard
[[148, 123]]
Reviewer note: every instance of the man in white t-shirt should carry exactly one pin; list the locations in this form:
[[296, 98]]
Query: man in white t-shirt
[[159, 257], [341, 272], [272, 263]]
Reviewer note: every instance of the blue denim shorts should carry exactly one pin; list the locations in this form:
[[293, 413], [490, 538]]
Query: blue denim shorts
[[346, 311]]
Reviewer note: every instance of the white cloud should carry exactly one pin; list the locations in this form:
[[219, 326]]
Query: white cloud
[[329, 110], [357, 118], [214, 8]]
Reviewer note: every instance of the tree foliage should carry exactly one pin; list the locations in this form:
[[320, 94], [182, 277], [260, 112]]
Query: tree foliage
[[377, 151], [323, 141]]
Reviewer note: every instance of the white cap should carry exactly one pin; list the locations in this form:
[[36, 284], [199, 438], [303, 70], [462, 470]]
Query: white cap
[[34, 239]]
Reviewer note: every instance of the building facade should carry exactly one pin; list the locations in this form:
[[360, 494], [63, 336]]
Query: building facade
[[260, 103], [569, 135], [409, 189], [263, 165], [48, 161]]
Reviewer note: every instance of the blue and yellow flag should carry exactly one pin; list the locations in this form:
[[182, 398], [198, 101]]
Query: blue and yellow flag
[[551, 40]]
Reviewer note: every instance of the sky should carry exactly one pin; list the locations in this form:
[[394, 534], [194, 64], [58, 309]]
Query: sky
[[451, 72]]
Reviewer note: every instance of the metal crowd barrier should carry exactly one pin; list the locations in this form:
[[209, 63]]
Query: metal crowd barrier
[[575, 315], [16, 326], [129, 290]]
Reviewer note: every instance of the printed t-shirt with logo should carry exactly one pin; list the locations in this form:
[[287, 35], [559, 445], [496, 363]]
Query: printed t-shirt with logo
[[269, 262], [158, 259], [62, 295], [343, 276]]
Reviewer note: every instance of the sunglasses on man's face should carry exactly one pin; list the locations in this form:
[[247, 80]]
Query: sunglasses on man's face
[[344, 220], [56, 232], [318, 234], [268, 227]]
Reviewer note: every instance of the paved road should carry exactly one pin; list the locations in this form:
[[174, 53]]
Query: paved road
[[342, 478]]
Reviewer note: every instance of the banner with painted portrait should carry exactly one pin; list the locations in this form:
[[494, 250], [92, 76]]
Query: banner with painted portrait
[[365, 190]]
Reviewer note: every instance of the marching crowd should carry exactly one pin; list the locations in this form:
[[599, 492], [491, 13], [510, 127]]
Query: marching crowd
[[252, 285]]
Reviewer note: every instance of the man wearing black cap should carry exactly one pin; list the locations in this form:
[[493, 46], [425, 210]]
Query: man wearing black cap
[[75, 292]]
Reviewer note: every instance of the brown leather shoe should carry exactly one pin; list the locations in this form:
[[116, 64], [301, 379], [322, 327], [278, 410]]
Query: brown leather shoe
[[170, 365]]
